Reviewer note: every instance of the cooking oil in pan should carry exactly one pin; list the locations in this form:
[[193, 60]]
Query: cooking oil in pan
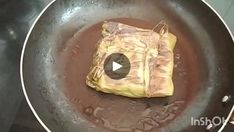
[[121, 113]]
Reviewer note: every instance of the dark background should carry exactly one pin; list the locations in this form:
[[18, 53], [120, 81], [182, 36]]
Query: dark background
[[16, 17]]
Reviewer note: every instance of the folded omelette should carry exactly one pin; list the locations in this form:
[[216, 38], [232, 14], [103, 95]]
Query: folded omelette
[[150, 54]]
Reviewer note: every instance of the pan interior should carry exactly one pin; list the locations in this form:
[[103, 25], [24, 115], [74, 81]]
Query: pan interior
[[122, 113], [59, 53]]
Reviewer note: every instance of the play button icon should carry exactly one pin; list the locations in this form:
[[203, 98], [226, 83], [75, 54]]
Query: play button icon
[[117, 66]]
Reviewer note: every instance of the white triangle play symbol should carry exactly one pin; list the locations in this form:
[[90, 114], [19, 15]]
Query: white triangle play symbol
[[116, 66]]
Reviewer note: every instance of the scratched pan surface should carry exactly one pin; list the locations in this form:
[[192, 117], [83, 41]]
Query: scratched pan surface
[[59, 52]]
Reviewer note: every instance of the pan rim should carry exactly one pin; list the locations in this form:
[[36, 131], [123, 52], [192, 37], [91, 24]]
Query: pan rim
[[30, 31], [21, 68]]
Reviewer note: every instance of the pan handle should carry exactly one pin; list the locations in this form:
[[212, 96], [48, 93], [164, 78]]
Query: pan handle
[[232, 118], [229, 127], [229, 124]]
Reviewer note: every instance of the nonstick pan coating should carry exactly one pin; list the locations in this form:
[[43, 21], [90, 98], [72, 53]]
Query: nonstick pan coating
[[59, 51]]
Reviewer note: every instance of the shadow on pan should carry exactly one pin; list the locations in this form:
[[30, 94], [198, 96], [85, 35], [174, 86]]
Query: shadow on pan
[[59, 51]]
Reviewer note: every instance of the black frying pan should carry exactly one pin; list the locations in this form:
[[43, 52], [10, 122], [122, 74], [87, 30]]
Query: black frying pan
[[58, 52]]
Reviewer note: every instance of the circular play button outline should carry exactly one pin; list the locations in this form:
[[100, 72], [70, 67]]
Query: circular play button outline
[[117, 66]]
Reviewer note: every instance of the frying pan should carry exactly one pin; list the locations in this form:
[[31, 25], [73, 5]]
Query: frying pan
[[58, 52]]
